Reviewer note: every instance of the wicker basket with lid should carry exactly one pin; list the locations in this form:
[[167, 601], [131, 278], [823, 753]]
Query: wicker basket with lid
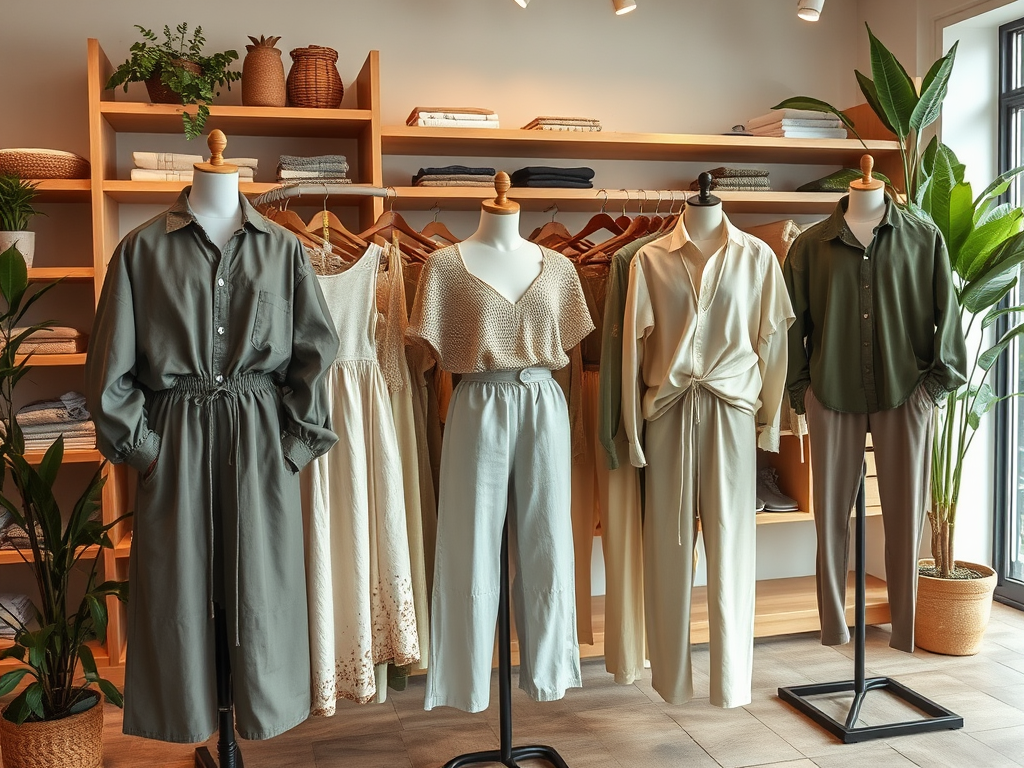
[[314, 80]]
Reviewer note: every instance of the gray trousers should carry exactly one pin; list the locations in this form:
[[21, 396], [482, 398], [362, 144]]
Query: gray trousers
[[506, 450], [902, 439]]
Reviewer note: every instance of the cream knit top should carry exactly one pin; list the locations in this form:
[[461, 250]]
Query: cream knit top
[[471, 328]]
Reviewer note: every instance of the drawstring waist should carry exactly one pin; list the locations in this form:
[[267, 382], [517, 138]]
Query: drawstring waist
[[693, 394], [205, 392], [517, 376]]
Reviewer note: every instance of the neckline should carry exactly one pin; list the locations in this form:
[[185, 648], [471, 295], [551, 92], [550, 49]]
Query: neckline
[[354, 265], [495, 291]]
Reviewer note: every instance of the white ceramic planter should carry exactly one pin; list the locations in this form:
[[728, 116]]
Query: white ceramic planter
[[25, 241]]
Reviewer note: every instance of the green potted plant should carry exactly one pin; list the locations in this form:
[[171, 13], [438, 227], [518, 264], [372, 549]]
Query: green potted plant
[[985, 245], [176, 71], [58, 712], [16, 211]]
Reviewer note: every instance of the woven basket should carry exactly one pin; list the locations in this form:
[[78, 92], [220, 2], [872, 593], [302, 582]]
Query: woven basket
[[263, 75], [952, 614], [72, 742], [160, 93], [43, 164], [314, 80]]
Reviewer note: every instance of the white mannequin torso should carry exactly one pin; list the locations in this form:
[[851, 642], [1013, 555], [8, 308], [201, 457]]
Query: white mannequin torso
[[214, 202], [705, 226], [865, 212], [499, 256]]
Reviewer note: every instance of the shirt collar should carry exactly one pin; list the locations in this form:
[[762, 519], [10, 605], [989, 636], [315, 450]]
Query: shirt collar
[[181, 215], [680, 237], [835, 225]]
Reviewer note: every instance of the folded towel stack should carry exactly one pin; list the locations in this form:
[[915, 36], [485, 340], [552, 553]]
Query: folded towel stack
[[546, 176], [737, 180], [798, 124], [454, 176], [45, 421], [453, 117], [15, 612], [574, 124], [13, 536], [170, 166], [330, 168], [56, 340]]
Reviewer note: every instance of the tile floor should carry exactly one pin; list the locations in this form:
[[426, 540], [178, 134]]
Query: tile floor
[[604, 725]]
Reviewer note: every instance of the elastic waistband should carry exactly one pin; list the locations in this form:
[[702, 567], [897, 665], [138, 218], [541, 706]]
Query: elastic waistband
[[520, 376], [245, 383]]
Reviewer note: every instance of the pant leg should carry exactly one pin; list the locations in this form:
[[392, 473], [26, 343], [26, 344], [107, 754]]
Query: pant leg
[[585, 501], [727, 441], [837, 459], [476, 460], [622, 544], [903, 451], [540, 513], [669, 532]]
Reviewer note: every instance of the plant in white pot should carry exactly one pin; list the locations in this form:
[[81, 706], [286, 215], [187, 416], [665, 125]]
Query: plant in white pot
[[56, 720], [985, 245], [16, 211]]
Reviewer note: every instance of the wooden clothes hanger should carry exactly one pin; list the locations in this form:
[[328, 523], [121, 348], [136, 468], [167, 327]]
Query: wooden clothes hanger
[[599, 221], [415, 244], [329, 227], [437, 229]]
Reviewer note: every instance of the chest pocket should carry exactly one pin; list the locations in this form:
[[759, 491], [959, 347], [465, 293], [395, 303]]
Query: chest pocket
[[273, 327]]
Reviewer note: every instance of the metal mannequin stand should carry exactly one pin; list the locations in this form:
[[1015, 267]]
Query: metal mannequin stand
[[507, 754], [939, 718], [227, 748]]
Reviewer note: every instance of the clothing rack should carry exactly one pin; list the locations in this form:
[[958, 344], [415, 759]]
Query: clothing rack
[[506, 755], [798, 696], [311, 189]]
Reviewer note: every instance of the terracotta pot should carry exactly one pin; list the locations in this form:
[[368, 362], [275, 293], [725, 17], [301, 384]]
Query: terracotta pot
[[952, 614], [160, 93], [25, 242], [71, 742]]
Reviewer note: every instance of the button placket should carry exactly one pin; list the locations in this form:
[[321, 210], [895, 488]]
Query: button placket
[[221, 306], [867, 328]]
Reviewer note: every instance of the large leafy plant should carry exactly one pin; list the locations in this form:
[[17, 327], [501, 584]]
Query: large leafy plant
[[16, 196], [52, 645], [985, 246], [154, 58]]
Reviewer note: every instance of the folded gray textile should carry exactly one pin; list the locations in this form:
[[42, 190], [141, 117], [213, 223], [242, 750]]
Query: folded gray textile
[[16, 537], [16, 610], [301, 163], [74, 429], [530, 171], [724, 172], [434, 183], [462, 170], [748, 184], [314, 180], [454, 177], [69, 408]]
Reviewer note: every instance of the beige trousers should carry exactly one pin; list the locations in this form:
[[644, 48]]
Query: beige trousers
[[902, 439], [701, 460]]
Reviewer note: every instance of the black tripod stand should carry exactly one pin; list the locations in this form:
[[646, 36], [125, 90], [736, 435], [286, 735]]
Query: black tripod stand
[[230, 756], [507, 754], [939, 718]]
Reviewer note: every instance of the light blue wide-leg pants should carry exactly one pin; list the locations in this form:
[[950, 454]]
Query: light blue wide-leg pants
[[506, 450]]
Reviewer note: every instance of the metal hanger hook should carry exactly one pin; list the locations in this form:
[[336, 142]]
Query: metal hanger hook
[[625, 201], [554, 211], [436, 209], [644, 193], [604, 203], [390, 193], [658, 206]]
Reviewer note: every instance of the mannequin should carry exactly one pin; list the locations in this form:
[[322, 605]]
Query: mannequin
[[496, 253], [705, 226], [214, 194], [867, 204]]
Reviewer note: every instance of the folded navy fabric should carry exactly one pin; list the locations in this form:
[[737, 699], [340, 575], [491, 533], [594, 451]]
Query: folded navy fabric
[[563, 183], [581, 173]]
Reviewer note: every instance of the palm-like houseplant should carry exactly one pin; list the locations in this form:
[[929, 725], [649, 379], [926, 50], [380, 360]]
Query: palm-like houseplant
[[54, 643], [985, 245]]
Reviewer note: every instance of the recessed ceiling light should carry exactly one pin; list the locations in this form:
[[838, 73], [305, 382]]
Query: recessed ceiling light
[[522, 3], [809, 10], [623, 6]]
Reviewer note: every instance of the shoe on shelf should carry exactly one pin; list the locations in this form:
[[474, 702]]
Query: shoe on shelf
[[768, 490], [759, 502]]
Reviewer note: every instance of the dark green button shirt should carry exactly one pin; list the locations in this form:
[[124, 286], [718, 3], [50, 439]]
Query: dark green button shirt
[[872, 323]]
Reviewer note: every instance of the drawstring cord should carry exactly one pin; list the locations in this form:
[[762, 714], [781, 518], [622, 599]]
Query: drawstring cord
[[694, 396]]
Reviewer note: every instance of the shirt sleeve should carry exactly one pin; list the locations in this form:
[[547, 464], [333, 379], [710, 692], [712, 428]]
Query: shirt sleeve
[[772, 357], [425, 319], [575, 321], [307, 424], [949, 367], [798, 376], [637, 323], [115, 401], [610, 374]]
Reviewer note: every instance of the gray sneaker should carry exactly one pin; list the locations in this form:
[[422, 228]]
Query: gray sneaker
[[768, 489], [759, 505]]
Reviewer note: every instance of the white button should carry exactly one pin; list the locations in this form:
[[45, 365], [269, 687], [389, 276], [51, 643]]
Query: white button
[[220, 331], [865, 315], [220, 282], [219, 378]]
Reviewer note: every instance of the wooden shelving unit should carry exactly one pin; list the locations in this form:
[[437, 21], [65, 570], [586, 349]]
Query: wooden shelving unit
[[67, 274], [49, 361], [63, 190]]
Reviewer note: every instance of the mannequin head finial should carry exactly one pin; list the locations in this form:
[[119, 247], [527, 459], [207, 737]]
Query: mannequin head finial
[[501, 204], [867, 181], [217, 142]]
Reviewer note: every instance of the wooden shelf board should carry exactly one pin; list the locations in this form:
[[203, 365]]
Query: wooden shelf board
[[124, 547], [607, 145], [49, 361], [70, 456], [164, 192], [12, 556], [63, 190], [69, 274], [143, 117], [99, 652], [469, 198], [769, 518]]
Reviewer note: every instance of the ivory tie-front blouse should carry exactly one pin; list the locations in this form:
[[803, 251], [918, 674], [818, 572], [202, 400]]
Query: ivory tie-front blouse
[[471, 328], [722, 338]]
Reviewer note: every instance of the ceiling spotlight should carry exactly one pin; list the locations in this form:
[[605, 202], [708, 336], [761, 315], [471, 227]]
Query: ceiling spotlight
[[522, 3], [623, 6], [808, 10]]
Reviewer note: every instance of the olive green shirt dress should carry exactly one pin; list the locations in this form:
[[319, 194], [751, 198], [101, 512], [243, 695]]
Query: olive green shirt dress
[[212, 364]]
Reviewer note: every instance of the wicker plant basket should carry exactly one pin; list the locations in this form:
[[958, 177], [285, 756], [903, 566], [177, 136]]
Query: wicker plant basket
[[263, 74], [72, 742], [160, 93], [314, 80], [952, 614], [43, 164]]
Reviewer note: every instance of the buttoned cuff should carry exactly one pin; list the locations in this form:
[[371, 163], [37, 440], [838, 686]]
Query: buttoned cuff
[[796, 396], [296, 452], [144, 453], [936, 391]]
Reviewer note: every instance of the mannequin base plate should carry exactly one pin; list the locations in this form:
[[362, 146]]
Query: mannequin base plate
[[535, 752], [205, 759]]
